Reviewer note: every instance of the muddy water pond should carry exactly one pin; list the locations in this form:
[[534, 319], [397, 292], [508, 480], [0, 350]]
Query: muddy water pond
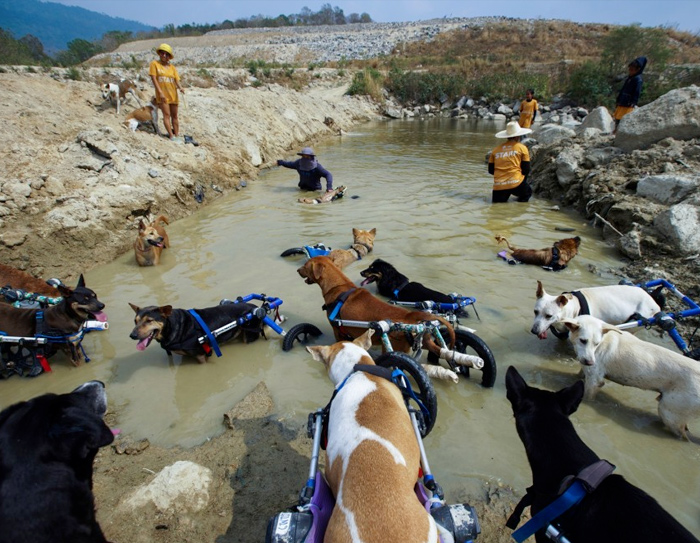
[[423, 185]]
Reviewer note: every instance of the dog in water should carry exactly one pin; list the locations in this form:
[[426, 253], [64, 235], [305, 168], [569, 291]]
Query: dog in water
[[150, 242], [47, 448], [615, 510], [146, 115], [326, 197], [362, 245], [609, 353], [21, 280], [556, 257]]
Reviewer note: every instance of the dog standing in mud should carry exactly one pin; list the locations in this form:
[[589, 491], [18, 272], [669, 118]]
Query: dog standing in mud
[[150, 242], [556, 257], [614, 510]]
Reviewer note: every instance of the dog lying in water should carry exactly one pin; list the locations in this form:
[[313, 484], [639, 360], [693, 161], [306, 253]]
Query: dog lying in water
[[150, 241], [556, 257], [326, 197], [18, 279]]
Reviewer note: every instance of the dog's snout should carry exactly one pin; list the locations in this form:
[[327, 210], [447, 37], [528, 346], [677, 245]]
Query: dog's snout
[[134, 334]]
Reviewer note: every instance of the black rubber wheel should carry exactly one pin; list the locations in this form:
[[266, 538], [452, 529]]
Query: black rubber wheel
[[426, 391], [300, 333], [294, 251], [558, 334], [467, 340], [694, 354]]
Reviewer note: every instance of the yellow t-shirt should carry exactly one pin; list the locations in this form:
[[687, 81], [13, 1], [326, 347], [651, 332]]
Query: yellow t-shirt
[[167, 77], [506, 159], [527, 112]]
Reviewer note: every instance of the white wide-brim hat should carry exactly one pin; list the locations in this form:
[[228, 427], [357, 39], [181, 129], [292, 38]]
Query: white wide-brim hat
[[513, 130]]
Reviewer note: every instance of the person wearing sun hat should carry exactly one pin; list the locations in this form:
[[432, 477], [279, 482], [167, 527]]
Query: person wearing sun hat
[[310, 170], [166, 82], [509, 163]]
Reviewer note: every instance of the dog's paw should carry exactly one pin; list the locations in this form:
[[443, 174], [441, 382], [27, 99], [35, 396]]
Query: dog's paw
[[438, 372]]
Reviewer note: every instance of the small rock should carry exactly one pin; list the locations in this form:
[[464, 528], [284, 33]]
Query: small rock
[[153, 173]]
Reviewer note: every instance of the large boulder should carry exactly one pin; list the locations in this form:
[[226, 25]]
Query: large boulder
[[567, 164], [681, 226], [676, 114], [599, 118], [667, 188], [552, 133]]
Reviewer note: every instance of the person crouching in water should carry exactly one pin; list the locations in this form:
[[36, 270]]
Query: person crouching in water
[[509, 163], [631, 90], [310, 170]]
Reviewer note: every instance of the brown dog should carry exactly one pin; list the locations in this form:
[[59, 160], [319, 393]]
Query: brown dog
[[147, 114], [362, 245], [557, 256], [18, 279], [151, 241], [359, 304]]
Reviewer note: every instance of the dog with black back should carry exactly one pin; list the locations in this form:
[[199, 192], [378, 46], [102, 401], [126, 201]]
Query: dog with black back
[[65, 318], [47, 448], [614, 510], [178, 331]]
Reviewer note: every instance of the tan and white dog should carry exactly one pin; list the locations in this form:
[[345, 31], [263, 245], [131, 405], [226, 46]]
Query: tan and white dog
[[144, 115], [117, 92], [372, 456], [615, 304], [607, 352]]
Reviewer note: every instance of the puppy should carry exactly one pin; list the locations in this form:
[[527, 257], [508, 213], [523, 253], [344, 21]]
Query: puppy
[[616, 510], [147, 114], [362, 245], [369, 431], [65, 318], [607, 352], [394, 285], [326, 197], [117, 92], [557, 256], [47, 448], [21, 280], [178, 331], [614, 304], [150, 242]]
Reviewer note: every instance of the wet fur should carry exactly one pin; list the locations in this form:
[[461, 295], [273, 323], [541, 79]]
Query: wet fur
[[568, 249], [362, 245], [325, 197], [388, 279], [150, 242], [617, 511], [22, 280]]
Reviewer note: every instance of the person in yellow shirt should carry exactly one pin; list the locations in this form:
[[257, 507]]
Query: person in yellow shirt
[[528, 109], [509, 163], [166, 81]]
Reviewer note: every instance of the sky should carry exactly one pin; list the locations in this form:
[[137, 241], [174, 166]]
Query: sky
[[681, 14]]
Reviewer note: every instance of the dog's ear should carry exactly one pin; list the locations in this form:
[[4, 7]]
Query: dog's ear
[[81, 281], [540, 290], [64, 290], [571, 324], [569, 398], [134, 307], [373, 231], [515, 388], [319, 353], [78, 434], [142, 225], [562, 300], [365, 340], [166, 310], [610, 328]]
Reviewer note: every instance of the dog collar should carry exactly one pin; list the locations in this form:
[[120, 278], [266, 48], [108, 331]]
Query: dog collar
[[585, 310], [399, 289]]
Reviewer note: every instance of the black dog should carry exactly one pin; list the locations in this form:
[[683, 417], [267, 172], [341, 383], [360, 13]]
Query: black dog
[[178, 331], [47, 447], [616, 510]]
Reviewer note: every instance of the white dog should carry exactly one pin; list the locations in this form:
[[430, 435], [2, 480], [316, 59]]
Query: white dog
[[117, 92], [607, 352], [615, 304]]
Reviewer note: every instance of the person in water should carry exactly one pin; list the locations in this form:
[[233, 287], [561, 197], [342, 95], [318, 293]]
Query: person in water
[[310, 170], [509, 163]]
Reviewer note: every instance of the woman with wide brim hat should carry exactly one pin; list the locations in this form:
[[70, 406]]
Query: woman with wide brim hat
[[166, 82], [310, 170], [509, 163]]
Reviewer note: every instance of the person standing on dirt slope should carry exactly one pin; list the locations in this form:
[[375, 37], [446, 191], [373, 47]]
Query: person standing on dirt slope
[[528, 109], [310, 170], [166, 81], [631, 90], [509, 163]]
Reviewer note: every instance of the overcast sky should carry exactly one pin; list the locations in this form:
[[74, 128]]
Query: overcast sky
[[682, 14]]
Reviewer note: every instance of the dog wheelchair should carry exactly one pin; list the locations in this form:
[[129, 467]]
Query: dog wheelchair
[[299, 332], [306, 522]]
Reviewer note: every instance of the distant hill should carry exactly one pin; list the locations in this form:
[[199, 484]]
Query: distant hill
[[55, 24]]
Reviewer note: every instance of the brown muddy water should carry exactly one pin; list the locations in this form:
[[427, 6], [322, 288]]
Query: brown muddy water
[[423, 185]]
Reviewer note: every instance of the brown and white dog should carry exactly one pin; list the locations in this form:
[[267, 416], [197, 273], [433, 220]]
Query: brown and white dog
[[116, 92], [370, 432], [557, 256], [362, 245], [144, 115], [150, 242]]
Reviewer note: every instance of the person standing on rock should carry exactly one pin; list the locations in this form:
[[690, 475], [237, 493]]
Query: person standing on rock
[[310, 170], [166, 81], [528, 109], [631, 90], [509, 163]]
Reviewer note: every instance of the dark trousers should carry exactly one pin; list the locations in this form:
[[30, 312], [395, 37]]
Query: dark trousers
[[523, 192]]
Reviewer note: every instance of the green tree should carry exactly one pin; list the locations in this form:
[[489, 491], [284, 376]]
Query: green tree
[[625, 43]]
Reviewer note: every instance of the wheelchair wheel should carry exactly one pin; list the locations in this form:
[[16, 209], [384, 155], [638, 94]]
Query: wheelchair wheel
[[426, 392], [694, 354], [469, 343], [300, 333], [293, 251], [559, 335]]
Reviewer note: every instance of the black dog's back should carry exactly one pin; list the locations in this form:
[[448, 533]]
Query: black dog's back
[[395, 285], [616, 511]]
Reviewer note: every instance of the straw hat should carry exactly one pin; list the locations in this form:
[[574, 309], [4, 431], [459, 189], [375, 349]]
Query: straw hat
[[513, 129], [165, 47]]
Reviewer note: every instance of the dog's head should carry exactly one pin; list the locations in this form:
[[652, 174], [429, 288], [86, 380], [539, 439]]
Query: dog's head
[[364, 237], [66, 429], [109, 89], [340, 358], [83, 301], [149, 234], [568, 249], [313, 269], [148, 324], [586, 334], [548, 310], [377, 269]]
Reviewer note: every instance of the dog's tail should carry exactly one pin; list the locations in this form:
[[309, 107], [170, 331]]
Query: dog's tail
[[430, 343], [162, 218], [501, 239]]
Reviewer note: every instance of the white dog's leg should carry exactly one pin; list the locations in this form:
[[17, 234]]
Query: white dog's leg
[[593, 382], [462, 359], [438, 372]]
